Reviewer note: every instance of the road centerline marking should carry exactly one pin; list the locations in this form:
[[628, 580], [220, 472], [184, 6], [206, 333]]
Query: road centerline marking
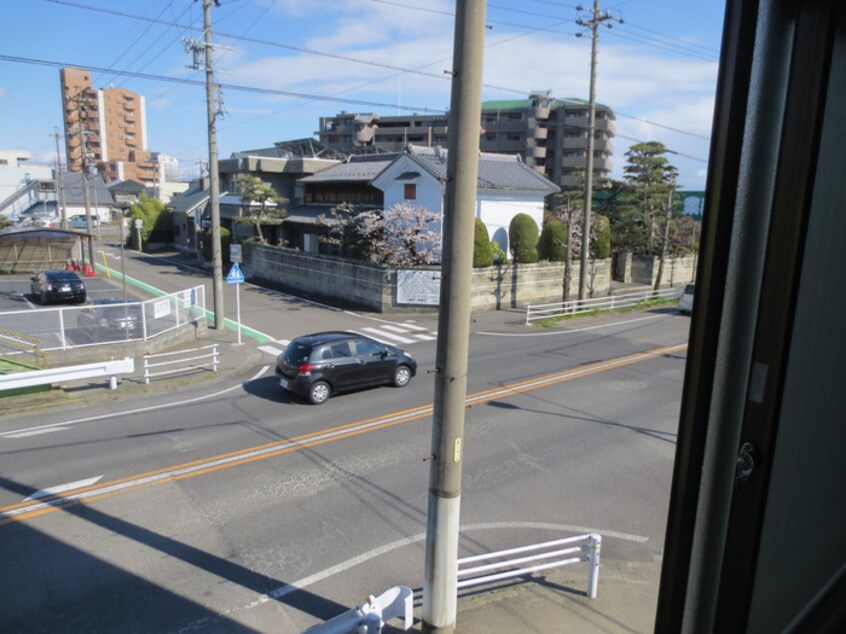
[[26, 510]]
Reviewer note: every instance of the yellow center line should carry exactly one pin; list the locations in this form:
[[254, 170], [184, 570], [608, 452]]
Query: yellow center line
[[34, 508]]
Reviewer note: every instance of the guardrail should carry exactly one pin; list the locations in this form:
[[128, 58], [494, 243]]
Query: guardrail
[[33, 378], [612, 302], [207, 356], [587, 550]]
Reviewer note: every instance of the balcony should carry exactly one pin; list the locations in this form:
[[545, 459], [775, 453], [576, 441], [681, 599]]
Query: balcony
[[540, 134], [540, 112]]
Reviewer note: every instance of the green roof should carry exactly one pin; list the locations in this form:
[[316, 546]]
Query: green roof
[[513, 104]]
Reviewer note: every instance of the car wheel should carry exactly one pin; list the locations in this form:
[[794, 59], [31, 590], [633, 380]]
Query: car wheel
[[319, 392], [402, 375]]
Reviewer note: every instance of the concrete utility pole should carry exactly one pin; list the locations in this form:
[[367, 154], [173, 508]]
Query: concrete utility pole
[[203, 55], [60, 182], [593, 24], [440, 575], [86, 196]]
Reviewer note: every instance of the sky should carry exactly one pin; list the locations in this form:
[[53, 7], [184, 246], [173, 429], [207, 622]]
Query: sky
[[284, 64]]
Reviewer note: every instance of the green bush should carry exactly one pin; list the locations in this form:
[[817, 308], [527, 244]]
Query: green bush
[[523, 239], [225, 240], [601, 238], [499, 256], [552, 245], [482, 254]]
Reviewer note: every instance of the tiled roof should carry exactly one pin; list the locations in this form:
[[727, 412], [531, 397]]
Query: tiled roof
[[496, 171], [98, 192], [189, 200], [360, 168]]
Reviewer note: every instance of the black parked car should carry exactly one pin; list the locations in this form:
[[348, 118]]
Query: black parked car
[[113, 315], [58, 286], [318, 365]]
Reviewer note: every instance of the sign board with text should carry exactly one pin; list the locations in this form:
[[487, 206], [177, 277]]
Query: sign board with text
[[419, 287]]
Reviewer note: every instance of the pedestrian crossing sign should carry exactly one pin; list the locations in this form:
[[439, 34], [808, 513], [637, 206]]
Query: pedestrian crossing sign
[[236, 276]]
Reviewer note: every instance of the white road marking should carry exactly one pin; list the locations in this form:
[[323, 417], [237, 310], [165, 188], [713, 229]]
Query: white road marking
[[281, 591], [390, 336], [565, 332], [409, 326], [16, 433], [37, 432], [270, 350], [426, 337], [63, 488], [395, 328]]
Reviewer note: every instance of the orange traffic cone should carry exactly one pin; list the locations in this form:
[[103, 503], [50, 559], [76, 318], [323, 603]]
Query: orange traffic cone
[[88, 270]]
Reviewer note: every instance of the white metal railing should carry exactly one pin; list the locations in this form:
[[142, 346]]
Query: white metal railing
[[68, 327], [371, 616], [182, 361], [49, 376], [575, 307], [586, 550]]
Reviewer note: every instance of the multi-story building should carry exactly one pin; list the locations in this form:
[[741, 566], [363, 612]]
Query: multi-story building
[[168, 167], [108, 126], [550, 134]]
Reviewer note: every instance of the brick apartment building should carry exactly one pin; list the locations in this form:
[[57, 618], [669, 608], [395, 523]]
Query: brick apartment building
[[549, 134], [109, 125]]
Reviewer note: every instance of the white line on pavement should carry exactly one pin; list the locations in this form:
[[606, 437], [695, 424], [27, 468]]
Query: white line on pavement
[[63, 488], [389, 335], [16, 433], [565, 332], [281, 591]]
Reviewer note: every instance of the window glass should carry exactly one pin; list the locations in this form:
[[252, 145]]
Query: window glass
[[364, 347], [340, 349]]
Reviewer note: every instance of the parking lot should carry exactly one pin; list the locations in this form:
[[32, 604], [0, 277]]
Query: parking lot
[[15, 291]]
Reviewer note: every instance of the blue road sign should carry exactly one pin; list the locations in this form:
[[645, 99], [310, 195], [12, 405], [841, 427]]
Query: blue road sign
[[236, 276]]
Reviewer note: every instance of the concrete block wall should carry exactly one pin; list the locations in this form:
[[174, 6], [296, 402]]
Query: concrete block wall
[[677, 271], [348, 282], [345, 282]]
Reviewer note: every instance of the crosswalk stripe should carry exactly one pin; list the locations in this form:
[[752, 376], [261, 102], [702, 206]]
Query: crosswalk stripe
[[389, 335], [271, 350], [413, 326], [425, 337], [395, 328]]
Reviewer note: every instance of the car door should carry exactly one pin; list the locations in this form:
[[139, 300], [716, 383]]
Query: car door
[[339, 365], [377, 364]]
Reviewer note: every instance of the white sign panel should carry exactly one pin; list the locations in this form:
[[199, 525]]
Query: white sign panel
[[419, 287], [161, 308]]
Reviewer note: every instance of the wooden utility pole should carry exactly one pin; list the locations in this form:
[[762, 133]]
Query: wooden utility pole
[[440, 590]]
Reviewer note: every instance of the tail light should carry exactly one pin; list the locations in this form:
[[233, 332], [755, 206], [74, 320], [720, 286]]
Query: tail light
[[305, 369]]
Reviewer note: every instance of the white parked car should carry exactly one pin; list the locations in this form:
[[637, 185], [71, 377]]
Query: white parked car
[[686, 299]]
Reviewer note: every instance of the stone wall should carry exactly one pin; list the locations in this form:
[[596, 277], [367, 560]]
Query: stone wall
[[338, 281]]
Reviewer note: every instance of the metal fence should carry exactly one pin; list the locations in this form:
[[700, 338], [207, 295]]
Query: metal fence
[[181, 361], [612, 302], [493, 567], [98, 324]]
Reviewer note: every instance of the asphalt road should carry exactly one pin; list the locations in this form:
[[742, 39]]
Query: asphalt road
[[214, 521]]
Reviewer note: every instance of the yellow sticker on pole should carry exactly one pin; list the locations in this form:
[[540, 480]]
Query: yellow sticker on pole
[[456, 452]]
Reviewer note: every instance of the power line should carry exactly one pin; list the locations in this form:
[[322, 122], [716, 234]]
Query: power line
[[196, 82], [331, 55]]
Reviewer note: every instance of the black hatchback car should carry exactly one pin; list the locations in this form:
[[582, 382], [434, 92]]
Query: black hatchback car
[[57, 286], [318, 365]]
